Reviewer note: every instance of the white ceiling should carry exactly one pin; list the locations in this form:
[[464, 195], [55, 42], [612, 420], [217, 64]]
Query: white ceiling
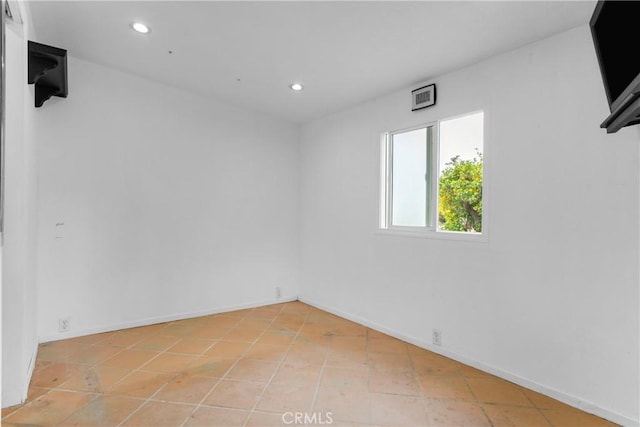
[[247, 53]]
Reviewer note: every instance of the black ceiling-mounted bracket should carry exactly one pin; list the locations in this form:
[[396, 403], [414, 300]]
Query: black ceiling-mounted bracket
[[48, 71]]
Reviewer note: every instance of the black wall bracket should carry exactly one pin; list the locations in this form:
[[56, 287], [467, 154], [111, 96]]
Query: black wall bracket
[[48, 71]]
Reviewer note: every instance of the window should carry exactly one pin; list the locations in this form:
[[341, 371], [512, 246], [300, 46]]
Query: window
[[432, 177]]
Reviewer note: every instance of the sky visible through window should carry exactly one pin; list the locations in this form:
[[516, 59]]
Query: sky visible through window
[[460, 137]]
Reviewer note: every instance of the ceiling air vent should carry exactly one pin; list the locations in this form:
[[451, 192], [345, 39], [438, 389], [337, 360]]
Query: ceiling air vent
[[423, 97]]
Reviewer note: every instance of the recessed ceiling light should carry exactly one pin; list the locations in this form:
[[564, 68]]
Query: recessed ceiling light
[[140, 27], [296, 86]]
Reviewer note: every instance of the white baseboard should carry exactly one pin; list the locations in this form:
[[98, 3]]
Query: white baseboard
[[30, 369], [11, 398], [18, 395], [567, 398], [161, 319]]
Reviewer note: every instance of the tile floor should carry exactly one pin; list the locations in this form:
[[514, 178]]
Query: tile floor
[[252, 367]]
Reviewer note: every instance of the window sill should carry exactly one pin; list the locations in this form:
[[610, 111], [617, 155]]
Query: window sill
[[432, 234]]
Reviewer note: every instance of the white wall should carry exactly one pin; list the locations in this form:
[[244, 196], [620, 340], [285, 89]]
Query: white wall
[[172, 204], [551, 300], [19, 334]]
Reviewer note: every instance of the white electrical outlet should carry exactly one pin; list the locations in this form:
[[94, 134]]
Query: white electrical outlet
[[64, 324], [278, 292], [437, 337]]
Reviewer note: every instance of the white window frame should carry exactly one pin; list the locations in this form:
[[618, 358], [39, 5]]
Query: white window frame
[[385, 224]]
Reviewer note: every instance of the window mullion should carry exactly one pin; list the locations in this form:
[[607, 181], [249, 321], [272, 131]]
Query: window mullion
[[428, 178], [389, 181], [435, 162]]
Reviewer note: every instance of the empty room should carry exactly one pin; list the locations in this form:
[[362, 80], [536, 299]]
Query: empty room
[[320, 213]]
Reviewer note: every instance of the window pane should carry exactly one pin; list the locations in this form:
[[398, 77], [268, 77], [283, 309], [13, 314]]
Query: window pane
[[460, 174], [409, 186]]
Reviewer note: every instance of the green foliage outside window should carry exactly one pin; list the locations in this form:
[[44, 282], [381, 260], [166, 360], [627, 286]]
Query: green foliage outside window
[[460, 207]]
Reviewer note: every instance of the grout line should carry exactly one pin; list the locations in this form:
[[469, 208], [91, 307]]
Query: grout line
[[174, 375], [68, 351], [280, 362], [324, 364], [238, 358], [321, 373], [539, 410], [461, 375], [369, 373], [138, 369]]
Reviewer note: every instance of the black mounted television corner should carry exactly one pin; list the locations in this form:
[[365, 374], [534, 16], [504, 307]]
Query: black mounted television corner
[[614, 28], [48, 71]]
